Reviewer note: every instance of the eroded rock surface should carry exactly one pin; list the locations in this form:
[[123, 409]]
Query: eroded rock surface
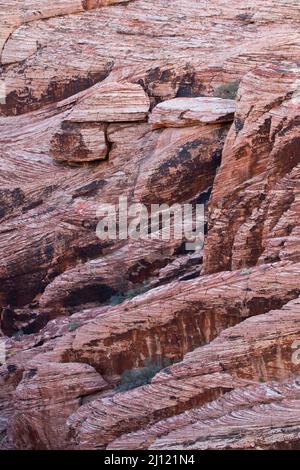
[[38, 399], [182, 112], [261, 417], [258, 349], [162, 102], [255, 215]]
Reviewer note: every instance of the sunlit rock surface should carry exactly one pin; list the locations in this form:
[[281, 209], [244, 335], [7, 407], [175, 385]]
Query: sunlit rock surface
[[162, 102], [182, 112]]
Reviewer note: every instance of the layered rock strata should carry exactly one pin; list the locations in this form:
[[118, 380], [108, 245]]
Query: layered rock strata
[[163, 103]]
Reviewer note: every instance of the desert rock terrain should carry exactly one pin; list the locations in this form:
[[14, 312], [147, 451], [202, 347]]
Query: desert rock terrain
[[161, 102]]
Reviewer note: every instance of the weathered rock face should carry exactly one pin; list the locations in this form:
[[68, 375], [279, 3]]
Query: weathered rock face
[[112, 341], [53, 221], [182, 112], [83, 133], [192, 315], [20, 12], [260, 416], [178, 48], [75, 144], [38, 399], [255, 215], [259, 348], [163, 102], [268, 419], [112, 102]]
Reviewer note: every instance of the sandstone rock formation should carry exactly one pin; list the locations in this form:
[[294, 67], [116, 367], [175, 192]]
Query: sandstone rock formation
[[75, 144], [261, 350], [112, 102], [161, 102], [50, 385], [261, 166], [83, 133], [267, 419], [182, 112]]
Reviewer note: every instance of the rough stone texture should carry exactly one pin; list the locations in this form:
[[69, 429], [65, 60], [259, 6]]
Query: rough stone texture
[[258, 348], [106, 98], [255, 216], [83, 133], [153, 325], [259, 416], [178, 48], [182, 112], [20, 12], [174, 319], [112, 102], [38, 400], [75, 144], [53, 220]]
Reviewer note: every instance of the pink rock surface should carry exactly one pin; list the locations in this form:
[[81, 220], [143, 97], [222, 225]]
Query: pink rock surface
[[176, 102], [182, 112], [260, 348], [255, 216]]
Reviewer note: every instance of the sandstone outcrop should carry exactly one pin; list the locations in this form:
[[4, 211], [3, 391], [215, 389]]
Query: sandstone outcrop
[[260, 348], [182, 112], [255, 216], [53, 222], [185, 48], [261, 417], [194, 312], [76, 144], [50, 385], [112, 102], [83, 133], [20, 12], [113, 340], [160, 102]]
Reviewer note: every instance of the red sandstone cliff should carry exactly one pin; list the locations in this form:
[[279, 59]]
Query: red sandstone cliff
[[162, 102]]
